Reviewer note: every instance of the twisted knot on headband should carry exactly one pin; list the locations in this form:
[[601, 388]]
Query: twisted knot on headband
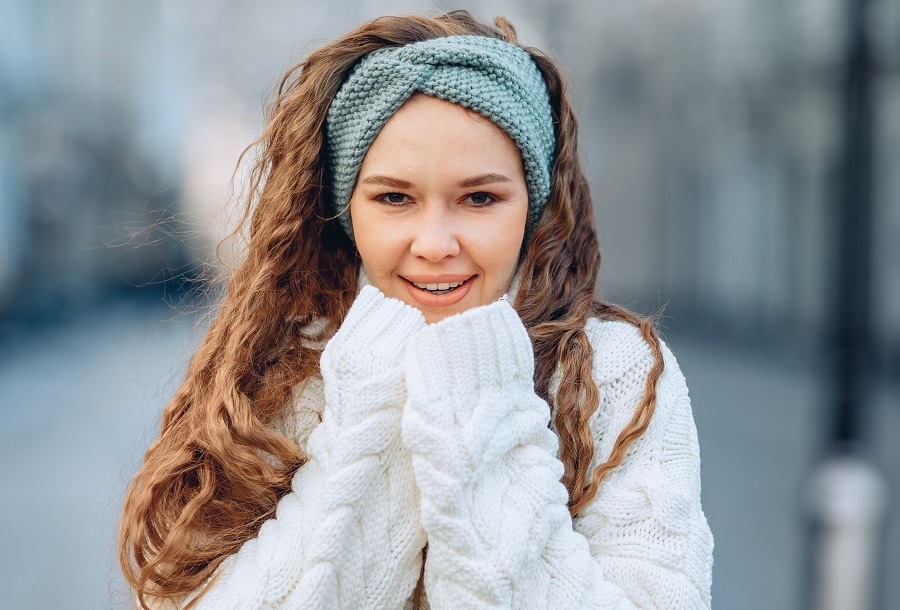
[[490, 76]]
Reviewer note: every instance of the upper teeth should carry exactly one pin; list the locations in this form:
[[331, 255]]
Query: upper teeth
[[439, 286]]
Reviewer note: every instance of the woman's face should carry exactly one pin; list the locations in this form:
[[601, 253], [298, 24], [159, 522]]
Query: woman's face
[[439, 208]]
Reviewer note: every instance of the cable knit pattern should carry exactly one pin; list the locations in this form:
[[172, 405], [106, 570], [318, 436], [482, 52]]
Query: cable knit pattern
[[348, 536], [493, 507], [434, 432], [646, 527]]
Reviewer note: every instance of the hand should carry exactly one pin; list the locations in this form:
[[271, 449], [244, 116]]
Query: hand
[[373, 337], [470, 390]]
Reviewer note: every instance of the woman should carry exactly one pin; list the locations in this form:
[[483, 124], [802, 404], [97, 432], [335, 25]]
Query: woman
[[409, 396]]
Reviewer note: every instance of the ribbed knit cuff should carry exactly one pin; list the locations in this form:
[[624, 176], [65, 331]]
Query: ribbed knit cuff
[[373, 336], [485, 348], [470, 396]]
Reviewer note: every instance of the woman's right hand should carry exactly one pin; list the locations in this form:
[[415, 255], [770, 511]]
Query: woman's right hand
[[349, 535], [371, 343]]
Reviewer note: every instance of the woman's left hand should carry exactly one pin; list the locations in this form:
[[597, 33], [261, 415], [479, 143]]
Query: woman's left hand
[[483, 457], [469, 380]]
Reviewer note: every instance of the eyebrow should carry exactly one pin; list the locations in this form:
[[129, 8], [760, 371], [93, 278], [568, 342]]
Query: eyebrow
[[483, 179], [387, 181], [467, 183]]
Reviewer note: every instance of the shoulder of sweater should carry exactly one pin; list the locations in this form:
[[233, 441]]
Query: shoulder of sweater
[[621, 365], [647, 510], [623, 360], [619, 348]]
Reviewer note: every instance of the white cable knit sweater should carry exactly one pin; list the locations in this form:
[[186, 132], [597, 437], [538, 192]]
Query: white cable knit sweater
[[433, 433]]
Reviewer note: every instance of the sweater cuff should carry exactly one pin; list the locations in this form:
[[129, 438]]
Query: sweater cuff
[[483, 349], [373, 336]]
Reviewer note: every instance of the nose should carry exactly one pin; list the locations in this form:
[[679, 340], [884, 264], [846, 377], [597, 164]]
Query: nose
[[435, 236]]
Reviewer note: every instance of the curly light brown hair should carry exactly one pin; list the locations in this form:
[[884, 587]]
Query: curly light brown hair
[[218, 468]]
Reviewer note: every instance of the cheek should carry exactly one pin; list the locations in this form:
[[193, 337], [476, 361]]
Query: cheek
[[507, 256], [500, 250], [374, 254], [378, 248]]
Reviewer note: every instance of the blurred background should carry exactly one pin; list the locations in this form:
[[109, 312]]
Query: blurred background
[[744, 158]]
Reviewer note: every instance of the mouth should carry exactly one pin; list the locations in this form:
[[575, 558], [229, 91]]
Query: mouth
[[438, 288]]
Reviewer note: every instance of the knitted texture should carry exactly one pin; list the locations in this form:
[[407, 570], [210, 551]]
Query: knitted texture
[[348, 536], [490, 76], [492, 505], [433, 433]]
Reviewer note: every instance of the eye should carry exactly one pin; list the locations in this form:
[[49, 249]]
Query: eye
[[481, 199], [393, 198]]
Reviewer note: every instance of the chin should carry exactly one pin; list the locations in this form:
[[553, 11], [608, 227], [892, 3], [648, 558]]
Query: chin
[[436, 315], [432, 316]]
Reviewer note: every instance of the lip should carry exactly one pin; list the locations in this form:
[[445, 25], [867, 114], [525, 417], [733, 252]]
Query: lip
[[437, 279], [427, 299]]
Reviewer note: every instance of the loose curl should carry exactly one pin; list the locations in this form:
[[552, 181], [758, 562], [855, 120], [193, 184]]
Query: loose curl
[[218, 468]]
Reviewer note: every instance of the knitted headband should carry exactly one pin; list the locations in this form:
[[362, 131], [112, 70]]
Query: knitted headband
[[494, 78]]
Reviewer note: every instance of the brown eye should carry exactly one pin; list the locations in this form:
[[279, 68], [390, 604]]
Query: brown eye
[[480, 198], [394, 198]]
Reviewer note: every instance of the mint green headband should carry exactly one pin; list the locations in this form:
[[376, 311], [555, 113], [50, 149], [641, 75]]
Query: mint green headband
[[490, 76]]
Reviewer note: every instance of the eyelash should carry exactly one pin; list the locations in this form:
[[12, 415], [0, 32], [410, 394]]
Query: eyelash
[[490, 198], [384, 198]]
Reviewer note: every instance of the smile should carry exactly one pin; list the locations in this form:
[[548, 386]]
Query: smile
[[439, 288], [438, 291]]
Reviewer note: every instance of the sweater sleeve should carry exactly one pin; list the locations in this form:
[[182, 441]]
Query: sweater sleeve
[[348, 535], [493, 506]]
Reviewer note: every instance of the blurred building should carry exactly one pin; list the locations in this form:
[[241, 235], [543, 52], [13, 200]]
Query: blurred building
[[87, 206], [713, 132], [710, 131]]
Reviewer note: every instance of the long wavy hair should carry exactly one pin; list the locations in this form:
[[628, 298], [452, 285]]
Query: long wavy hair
[[218, 468]]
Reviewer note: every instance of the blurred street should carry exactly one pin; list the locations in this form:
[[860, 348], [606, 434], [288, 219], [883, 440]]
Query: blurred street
[[742, 158], [80, 405], [81, 402]]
